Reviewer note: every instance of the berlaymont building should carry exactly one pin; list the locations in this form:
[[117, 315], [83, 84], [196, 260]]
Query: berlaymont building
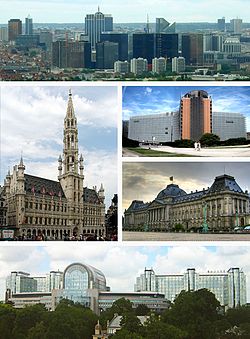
[[87, 285], [36, 206], [221, 207], [194, 118]]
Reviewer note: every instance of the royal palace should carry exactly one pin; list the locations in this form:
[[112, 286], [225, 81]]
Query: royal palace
[[221, 207], [38, 207]]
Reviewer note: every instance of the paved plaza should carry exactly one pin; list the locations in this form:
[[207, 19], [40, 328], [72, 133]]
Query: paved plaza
[[154, 236], [230, 151]]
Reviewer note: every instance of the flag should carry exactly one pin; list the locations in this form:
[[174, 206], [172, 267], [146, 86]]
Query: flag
[[171, 178]]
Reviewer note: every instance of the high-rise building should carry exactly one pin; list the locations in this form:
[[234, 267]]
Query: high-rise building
[[159, 65], [138, 66], [38, 207], [228, 287], [151, 45], [106, 54], [46, 38], [221, 24], [28, 25], [71, 54], [122, 67], [121, 39], [236, 26], [3, 34], [178, 64], [192, 48], [95, 24], [14, 29], [195, 115], [163, 26]]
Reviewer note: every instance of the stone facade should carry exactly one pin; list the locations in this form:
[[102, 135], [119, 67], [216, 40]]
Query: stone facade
[[55, 209], [222, 207]]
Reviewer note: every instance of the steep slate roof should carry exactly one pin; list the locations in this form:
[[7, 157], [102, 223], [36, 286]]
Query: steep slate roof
[[36, 185], [225, 183], [90, 196], [137, 205]]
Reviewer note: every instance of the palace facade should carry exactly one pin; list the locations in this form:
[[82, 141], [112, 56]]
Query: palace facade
[[38, 207], [221, 207]]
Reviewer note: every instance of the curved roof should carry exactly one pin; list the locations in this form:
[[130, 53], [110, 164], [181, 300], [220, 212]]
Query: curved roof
[[225, 183], [196, 93], [171, 190], [95, 275]]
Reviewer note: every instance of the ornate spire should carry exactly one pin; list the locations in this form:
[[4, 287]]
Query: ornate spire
[[70, 109]]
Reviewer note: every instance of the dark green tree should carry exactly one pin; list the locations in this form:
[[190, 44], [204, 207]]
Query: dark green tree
[[142, 309], [209, 139], [7, 319], [130, 322], [125, 334], [239, 315]]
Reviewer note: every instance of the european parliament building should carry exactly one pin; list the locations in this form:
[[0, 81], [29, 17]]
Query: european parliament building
[[87, 285], [221, 207], [228, 287]]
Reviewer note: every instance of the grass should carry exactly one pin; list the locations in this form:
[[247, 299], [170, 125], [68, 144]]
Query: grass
[[151, 153]]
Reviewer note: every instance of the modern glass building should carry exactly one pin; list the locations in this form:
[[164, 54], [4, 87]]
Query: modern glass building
[[228, 287]]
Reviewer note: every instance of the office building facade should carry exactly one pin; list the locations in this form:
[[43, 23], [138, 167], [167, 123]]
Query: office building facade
[[14, 29], [228, 287], [106, 54], [192, 48], [95, 25], [229, 125], [222, 207], [154, 128], [71, 54], [121, 39], [28, 25]]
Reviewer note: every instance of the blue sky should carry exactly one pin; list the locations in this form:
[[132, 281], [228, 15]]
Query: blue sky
[[32, 124], [124, 11], [143, 100], [113, 261]]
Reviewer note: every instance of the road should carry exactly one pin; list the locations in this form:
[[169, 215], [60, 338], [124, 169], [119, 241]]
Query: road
[[154, 236]]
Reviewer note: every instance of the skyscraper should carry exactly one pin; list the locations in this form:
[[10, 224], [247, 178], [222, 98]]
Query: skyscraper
[[151, 45], [28, 25], [14, 28], [95, 24], [121, 39], [71, 54], [236, 25], [221, 24], [195, 115], [106, 54], [192, 48]]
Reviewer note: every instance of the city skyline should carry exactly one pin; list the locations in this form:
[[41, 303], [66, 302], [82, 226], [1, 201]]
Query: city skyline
[[32, 126], [144, 180], [38, 260], [145, 100], [132, 11]]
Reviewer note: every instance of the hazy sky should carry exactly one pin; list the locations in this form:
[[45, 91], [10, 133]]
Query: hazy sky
[[125, 11], [32, 123], [144, 180], [143, 100], [114, 261]]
